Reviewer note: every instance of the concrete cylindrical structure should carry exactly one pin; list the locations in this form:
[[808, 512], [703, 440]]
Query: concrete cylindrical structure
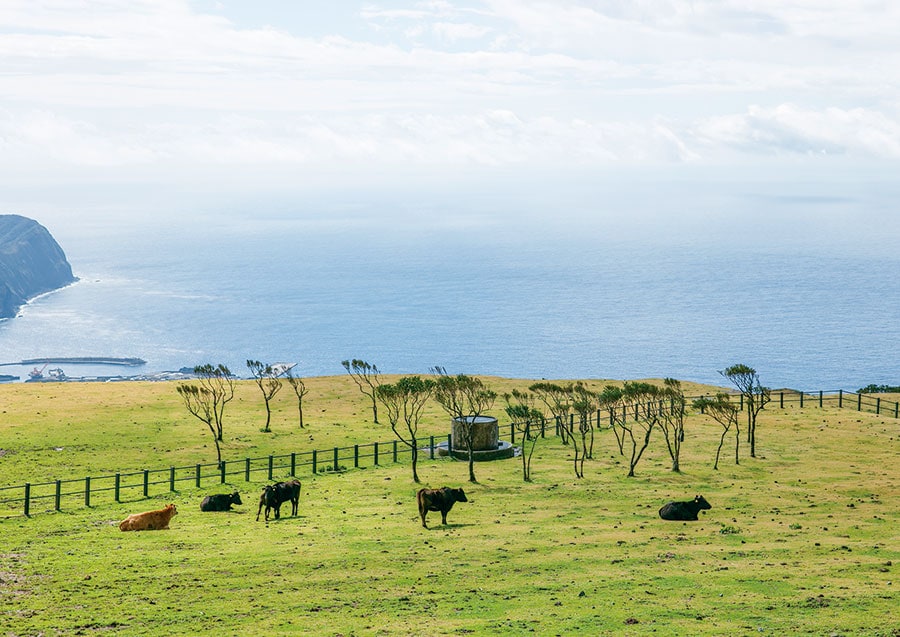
[[485, 433]]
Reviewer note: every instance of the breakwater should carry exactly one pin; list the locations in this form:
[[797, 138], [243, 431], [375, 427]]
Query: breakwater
[[81, 360]]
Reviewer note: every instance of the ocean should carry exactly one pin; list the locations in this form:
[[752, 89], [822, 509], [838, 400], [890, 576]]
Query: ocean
[[679, 282]]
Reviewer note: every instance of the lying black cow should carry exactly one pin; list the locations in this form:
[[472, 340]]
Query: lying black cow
[[220, 501], [684, 511], [274, 495], [438, 500]]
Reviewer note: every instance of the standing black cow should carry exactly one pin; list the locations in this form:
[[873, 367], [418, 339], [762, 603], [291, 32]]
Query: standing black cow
[[684, 511], [220, 501], [274, 495], [438, 500]]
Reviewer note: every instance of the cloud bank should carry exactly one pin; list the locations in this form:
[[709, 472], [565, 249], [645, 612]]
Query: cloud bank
[[122, 89]]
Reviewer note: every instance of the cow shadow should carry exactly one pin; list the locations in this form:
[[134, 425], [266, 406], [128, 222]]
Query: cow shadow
[[445, 527]]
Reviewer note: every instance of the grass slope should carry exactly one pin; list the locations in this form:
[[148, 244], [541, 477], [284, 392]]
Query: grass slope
[[802, 540]]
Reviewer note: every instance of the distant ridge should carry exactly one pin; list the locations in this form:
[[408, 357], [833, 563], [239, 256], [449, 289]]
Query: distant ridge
[[31, 263]]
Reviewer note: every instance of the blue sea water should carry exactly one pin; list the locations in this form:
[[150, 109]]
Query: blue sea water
[[803, 288]]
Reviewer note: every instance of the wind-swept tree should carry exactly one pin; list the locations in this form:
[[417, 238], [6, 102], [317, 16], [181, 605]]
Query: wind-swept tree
[[465, 399], [724, 412], [755, 397], [643, 404], [367, 378], [199, 403], [218, 382], [404, 402], [612, 399], [558, 400], [269, 384], [584, 404], [300, 391], [528, 420], [672, 419]]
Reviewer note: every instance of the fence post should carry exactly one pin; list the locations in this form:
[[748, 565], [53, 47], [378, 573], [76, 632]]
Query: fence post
[[543, 421], [58, 494], [171, 478], [197, 476], [271, 461], [896, 410], [820, 398], [395, 450], [247, 470], [87, 491], [334, 465], [293, 463], [431, 448], [878, 406], [840, 398], [859, 402], [118, 481], [146, 483], [27, 499], [222, 471], [512, 433], [356, 456], [315, 460], [782, 399], [742, 402], [801, 399], [376, 454]]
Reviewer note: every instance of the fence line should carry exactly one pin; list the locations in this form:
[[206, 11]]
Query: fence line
[[339, 459]]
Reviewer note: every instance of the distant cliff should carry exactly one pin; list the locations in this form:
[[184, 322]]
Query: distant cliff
[[31, 263]]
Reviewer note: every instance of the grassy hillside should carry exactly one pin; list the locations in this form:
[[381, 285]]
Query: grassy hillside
[[802, 540]]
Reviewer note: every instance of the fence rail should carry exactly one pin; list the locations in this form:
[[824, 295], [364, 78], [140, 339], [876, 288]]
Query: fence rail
[[137, 484]]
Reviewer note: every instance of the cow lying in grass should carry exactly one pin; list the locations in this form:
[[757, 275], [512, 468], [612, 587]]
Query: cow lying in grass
[[438, 500], [684, 511], [149, 520], [220, 501], [274, 495]]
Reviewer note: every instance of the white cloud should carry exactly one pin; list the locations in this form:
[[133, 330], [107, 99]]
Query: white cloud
[[519, 83], [788, 129]]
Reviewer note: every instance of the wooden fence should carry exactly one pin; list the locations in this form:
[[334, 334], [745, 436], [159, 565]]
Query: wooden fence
[[29, 497]]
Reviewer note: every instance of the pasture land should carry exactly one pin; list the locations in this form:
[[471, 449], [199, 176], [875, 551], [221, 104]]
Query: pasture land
[[804, 540]]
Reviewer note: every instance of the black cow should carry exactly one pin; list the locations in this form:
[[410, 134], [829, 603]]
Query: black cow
[[274, 495], [220, 501], [684, 510], [438, 500]]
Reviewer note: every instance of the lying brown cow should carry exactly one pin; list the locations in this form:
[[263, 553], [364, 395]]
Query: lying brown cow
[[149, 521], [438, 500]]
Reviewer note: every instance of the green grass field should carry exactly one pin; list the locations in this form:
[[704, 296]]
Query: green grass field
[[803, 540]]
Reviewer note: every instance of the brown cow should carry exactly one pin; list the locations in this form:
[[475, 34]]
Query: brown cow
[[149, 520], [438, 500]]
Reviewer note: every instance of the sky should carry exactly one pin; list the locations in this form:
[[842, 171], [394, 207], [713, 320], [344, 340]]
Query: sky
[[217, 102]]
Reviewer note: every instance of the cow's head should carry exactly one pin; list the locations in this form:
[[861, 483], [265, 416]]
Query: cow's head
[[459, 495], [236, 498], [269, 495], [701, 502]]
